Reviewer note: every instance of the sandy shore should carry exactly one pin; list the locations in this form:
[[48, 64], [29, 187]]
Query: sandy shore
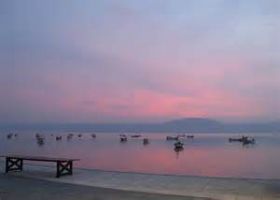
[[17, 188], [106, 184]]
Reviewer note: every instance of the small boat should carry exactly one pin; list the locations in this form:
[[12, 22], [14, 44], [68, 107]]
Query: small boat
[[38, 136], [172, 138], [235, 140], [244, 139], [123, 138], [136, 136], [9, 136], [249, 141], [40, 141], [70, 136], [190, 136], [58, 138], [80, 135], [93, 135], [179, 145], [145, 141]]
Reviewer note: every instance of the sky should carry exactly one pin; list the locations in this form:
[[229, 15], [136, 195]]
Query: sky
[[139, 60]]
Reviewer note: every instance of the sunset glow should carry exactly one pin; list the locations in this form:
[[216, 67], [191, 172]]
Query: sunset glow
[[111, 61]]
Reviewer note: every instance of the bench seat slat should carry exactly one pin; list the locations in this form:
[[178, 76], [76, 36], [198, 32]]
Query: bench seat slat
[[40, 158]]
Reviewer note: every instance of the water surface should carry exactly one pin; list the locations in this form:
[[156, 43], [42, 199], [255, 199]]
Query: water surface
[[205, 155]]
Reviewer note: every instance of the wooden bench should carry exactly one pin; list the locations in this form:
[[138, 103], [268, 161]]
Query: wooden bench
[[64, 166]]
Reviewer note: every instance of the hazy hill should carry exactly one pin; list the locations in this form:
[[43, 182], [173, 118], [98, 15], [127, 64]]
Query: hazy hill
[[193, 125], [185, 125]]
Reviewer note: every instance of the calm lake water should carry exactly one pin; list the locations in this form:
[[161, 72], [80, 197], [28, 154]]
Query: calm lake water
[[205, 155]]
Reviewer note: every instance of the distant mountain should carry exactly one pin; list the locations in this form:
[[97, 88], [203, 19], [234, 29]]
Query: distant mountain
[[193, 121], [185, 125], [193, 125], [205, 125]]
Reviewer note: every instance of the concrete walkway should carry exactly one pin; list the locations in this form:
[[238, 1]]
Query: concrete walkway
[[216, 188]]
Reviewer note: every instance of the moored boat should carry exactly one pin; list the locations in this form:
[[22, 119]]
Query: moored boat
[[58, 138], [190, 136], [136, 136], [9, 136], [70, 136], [123, 138], [145, 141], [172, 138], [249, 140], [179, 145], [244, 139]]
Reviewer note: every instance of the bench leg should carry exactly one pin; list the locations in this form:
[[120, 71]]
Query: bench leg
[[64, 168], [14, 164]]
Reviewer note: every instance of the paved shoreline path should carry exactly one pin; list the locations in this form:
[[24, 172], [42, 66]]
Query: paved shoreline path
[[188, 186]]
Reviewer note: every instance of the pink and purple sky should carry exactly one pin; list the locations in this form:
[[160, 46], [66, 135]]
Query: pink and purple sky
[[139, 60]]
